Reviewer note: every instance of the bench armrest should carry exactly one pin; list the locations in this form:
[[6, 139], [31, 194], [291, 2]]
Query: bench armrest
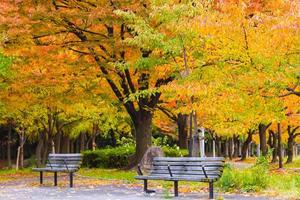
[[203, 169], [170, 172], [140, 170]]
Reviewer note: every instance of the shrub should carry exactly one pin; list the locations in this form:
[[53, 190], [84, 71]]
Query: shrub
[[174, 151], [119, 156], [247, 180], [108, 158]]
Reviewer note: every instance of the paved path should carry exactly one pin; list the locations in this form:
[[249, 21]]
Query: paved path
[[26, 189], [108, 192]]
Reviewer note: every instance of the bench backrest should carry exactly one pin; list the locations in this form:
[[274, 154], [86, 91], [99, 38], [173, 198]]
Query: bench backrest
[[70, 161], [189, 166]]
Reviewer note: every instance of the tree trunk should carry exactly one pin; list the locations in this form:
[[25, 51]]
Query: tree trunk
[[190, 143], [226, 148], [219, 145], [142, 125], [82, 142], [263, 138], [39, 148], [9, 145], [279, 146], [273, 144], [290, 145], [246, 145], [65, 144], [18, 158], [231, 147], [58, 137], [236, 146], [182, 131]]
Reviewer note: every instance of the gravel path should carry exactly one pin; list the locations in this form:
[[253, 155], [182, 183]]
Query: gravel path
[[25, 190]]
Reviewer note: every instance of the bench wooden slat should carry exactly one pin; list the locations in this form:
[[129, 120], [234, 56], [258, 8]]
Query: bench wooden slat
[[182, 178], [186, 172], [65, 155], [189, 159], [190, 168], [215, 164]]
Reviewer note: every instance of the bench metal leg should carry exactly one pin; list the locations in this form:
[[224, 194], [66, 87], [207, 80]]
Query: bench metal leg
[[55, 178], [146, 188], [71, 179], [176, 188], [145, 185], [41, 177], [211, 190]]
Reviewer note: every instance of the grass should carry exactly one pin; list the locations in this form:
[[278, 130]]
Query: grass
[[294, 164], [109, 174], [11, 174]]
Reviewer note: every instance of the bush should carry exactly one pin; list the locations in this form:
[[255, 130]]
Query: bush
[[119, 157], [248, 180], [174, 151], [108, 158]]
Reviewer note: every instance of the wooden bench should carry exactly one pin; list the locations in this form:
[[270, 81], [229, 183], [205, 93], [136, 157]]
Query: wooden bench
[[67, 163], [208, 169]]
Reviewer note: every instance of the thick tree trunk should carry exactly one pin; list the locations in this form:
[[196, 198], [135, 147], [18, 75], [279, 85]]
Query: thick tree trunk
[[9, 145], [142, 128], [263, 138], [143, 134], [182, 131], [39, 148], [246, 145], [279, 146]]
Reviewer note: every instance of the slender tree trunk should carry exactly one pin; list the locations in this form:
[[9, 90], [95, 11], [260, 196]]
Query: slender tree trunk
[[273, 144], [58, 137], [9, 144], [182, 130], [246, 145], [236, 146], [18, 158], [190, 142], [82, 142], [219, 145], [20, 153], [226, 148], [65, 144], [231, 147], [279, 146]]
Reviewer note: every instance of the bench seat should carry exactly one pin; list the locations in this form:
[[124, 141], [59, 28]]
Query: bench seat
[[177, 178], [176, 169], [47, 169]]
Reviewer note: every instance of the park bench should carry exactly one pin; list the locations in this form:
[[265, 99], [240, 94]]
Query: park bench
[[208, 169], [66, 163]]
